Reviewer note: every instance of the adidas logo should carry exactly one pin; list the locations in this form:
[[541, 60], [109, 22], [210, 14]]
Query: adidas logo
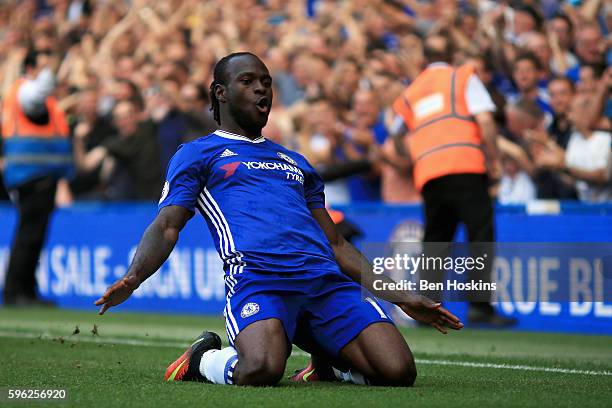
[[228, 153]]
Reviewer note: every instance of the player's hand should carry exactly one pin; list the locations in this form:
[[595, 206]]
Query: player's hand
[[117, 293], [424, 310]]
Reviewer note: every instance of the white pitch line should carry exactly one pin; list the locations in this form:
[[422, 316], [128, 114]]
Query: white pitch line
[[144, 343], [513, 367]]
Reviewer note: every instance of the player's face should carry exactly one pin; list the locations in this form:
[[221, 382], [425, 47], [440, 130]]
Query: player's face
[[249, 92]]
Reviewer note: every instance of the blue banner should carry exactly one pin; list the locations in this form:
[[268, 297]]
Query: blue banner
[[89, 246]]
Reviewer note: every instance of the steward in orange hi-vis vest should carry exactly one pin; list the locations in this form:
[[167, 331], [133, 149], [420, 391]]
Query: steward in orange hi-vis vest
[[32, 150], [444, 138]]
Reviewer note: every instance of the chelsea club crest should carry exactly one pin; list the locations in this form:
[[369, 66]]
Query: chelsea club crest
[[249, 310], [286, 158]]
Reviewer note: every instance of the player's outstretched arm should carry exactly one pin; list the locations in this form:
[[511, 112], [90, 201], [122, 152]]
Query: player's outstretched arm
[[357, 267], [154, 248]]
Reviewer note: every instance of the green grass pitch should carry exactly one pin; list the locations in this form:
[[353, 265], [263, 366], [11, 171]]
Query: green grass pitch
[[124, 364]]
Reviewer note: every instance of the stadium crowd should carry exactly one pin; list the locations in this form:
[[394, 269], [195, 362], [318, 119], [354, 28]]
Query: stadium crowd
[[133, 78]]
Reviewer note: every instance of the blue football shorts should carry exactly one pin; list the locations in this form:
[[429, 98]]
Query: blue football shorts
[[334, 308]]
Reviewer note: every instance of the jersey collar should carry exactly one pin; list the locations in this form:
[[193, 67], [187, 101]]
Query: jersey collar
[[234, 136]]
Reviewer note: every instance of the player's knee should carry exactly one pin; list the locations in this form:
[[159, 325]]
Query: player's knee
[[263, 370], [400, 373], [408, 375], [404, 375]]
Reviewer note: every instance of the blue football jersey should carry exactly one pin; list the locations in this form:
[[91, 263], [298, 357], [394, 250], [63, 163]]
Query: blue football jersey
[[256, 197]]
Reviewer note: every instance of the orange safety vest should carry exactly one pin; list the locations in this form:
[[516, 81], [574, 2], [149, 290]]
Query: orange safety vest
[[444, 138], [33, 150]]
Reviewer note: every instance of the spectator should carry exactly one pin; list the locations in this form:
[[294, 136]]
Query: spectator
[[292, 86], [515, 186], [365, 132], [322, 143], [589, 49], [588, 76], [194, 105], [484, 70], [525, 121], [537, 44], [594, 84], [561, 91], [37, 155], [522, 116], [130, 160], [170, 123], [94, 130], [588, 159], [560, 33], [526, 74], [551, 184], [343, 83], [526, 20]]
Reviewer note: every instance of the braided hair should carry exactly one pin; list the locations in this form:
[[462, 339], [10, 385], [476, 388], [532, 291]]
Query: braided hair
[[220, 78]]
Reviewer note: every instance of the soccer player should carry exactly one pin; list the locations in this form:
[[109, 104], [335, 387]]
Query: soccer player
[[283, 258]]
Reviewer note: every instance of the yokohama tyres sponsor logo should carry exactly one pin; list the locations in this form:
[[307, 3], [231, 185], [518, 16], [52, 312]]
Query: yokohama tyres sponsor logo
[[273, 166], [292, 172]]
